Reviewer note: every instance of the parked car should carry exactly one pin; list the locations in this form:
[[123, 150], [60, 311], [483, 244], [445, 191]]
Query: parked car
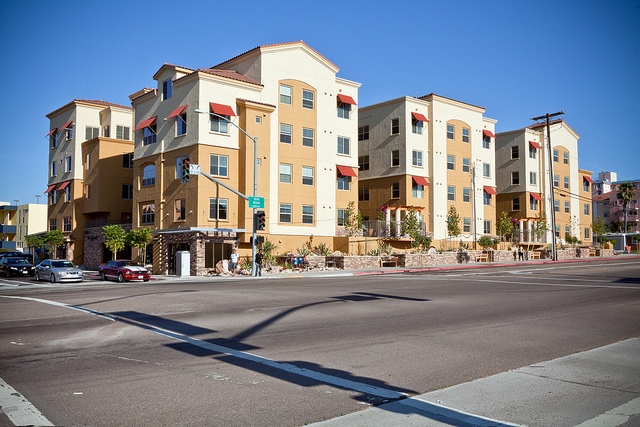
[[16, 266], [15, 254], [123, 270], [58, 270]]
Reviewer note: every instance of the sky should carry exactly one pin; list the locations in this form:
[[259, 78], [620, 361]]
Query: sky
[[517, 59]]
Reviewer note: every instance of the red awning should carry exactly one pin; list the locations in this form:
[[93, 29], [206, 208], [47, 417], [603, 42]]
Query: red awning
[[420, 117], [534, 145], [66, 125], [221, 109], [536, 196], [587, 178], [489, 190], [177, 111], [64, 185], [146, 123], [346, 171], [346, 99], [488, 133], [50, 189], [420, 180], [52, 131]]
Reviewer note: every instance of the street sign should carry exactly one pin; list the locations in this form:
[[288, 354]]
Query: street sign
[[194, 169], [256, 202]]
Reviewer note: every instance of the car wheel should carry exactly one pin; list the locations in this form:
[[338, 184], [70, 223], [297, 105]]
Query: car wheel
[[102, 277], [52, 278], [8, 273], [120, 278]]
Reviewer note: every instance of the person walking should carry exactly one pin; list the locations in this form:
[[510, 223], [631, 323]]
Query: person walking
[[520, 254], [259, 257], [233, 264]]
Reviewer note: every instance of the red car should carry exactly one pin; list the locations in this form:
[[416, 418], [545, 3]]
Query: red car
[[123, 270]]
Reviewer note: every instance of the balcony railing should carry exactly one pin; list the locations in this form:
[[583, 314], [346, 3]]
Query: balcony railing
[[389, 230], [93, 223], [8, 229]]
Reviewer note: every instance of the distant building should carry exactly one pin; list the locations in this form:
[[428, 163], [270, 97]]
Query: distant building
[[30, 219], [608, 206], [8, 227]]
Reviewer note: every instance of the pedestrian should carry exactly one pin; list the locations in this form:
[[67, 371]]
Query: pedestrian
[[520, 254], [233, 264], [259, 262]]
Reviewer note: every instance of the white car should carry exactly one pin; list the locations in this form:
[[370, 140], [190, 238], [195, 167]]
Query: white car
[[58, 270]]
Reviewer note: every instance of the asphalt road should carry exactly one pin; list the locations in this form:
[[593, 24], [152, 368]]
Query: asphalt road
[[295, 351]]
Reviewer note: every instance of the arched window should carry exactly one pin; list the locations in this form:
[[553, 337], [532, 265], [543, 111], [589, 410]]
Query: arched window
[[149, 176]]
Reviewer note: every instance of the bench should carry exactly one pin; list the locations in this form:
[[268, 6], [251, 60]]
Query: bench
[[389, 262], [592, 252], [482, 258], [534, 255]]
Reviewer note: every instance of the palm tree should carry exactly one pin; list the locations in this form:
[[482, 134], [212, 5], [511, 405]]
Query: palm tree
[[626, 191]]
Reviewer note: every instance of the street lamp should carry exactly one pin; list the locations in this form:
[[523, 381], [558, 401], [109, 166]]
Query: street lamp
[[255, 181]]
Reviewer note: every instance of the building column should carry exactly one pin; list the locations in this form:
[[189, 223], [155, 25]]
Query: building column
[[521, 225], [398, 228], [387, 218]]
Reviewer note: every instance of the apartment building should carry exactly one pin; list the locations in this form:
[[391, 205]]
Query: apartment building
[[90, 174], [288, 98], [30, 219], [609, 207], [8, 227], [428, 153]]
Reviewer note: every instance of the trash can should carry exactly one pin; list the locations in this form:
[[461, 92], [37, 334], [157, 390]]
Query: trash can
[[183, 264]]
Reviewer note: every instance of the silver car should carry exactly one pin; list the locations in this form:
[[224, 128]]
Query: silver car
[[58, 270]]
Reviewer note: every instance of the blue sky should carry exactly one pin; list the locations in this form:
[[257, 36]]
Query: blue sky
[[517, 59]]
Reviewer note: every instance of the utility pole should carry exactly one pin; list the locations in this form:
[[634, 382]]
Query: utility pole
[[547, 118]]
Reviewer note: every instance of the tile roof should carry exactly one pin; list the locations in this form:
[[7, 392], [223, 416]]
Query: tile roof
[[102, 103], [229, 74]]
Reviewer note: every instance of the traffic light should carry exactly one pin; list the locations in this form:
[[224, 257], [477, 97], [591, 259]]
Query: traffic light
[[185, 169], [261, 220]]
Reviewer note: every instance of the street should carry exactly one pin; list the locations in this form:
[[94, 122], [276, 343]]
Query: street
[[289, 352]]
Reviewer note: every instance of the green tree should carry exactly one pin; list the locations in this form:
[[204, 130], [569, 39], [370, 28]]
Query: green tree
[[625, 194], [114, 238], [34, 241], [139, 238], [54, 239], [453, 222], [352, 219], [412, 226], [599, 227], [504, 226]]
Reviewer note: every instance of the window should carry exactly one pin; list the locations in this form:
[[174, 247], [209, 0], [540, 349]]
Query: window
[[219, 124], [515, 178], [343, 145], [466, 164], [53, 224], [417, 190], [486, 198], [69, 132], [149, 135], [567, 208], [91, 132], [451, 162], [556, 180], [180, 211], [127, 160], [342, 215], [466, 225], [87, 161], [556, 205], [307, 137], [307, 99], [585, 185], [416, 158], [67, 164], [307, 214], [285, 212], [567, 231], [181, 124], [344, 183], [486, 170], [106, 131], [218, 165], [587, 233], [395, 126], [285, 133], [486, 141], [166, 89], [555, 155], [54, 197], [127, 191], [66, 224], [307, 175], [416, 126], [363, 194], [54, 169], [566, 182], [344, 110], [219, 209], [285, 173], [565, 158], [466, 195], [148, 213], [363, 133], [363, 163], [586, 209], [285, 94], [54, 139], [450, 132], [395, 190], [122, 132], [465, 135], [67, 194], [515, 152], [395, 158], [515, 204], [87, 191], [149, 176], [451, 193], [258, 119], [487, 226], [533, 178], [532, 152], [557, 231], [533, 203]]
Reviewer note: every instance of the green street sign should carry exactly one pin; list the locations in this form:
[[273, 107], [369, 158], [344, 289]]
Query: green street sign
[[256, 202]]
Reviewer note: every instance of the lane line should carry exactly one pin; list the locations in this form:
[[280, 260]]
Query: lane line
[[19, 410]]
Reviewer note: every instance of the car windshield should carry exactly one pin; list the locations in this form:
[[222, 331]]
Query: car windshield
[[17, 261], [62, 264], [129, 264]]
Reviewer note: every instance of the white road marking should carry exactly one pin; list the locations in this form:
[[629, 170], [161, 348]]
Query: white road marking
[[19, 410], [616, 416]]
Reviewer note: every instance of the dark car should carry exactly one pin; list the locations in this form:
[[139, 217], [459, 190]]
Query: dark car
[[123, 270], [14, 254], [16, 266]]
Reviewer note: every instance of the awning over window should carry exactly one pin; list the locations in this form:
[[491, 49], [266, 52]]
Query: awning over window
[[51, 132], [346, 171], [587, 178], [536, 196], [418, 116], [489, 190], [146, 123], [177, 111], [64, 185], [66, 125], [50, 189], [420, 180], [488, 133], [534, 145], [221, 109], [346, 99]]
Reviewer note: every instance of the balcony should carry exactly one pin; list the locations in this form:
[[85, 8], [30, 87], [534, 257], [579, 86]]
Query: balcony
[[8, 229], [5, 244], [389, 230]]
